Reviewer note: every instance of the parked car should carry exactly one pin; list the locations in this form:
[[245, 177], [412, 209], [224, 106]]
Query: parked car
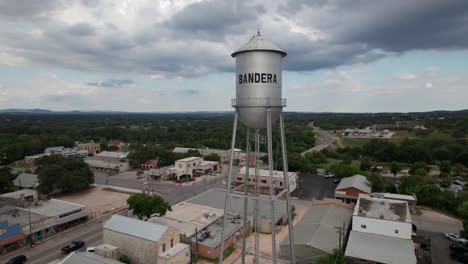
[[74, 245], [459, 256], [458, 248], [90, 249], [456, 238], [329, 175], [336, 181], [17, 260]]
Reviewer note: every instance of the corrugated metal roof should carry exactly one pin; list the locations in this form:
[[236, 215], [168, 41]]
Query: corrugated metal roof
[[88, 258], [137, 228], [382, 249], [259, 43], [357, 181], [215, 198], [26, 180], [317, 227]]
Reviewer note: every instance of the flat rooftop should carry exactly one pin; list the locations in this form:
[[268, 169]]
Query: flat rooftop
[[215, 230], [16, 215], [381, 208], [55, 207], [215, 198], [187, 216]]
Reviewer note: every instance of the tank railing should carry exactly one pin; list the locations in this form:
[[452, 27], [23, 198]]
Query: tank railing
[[258, 102]]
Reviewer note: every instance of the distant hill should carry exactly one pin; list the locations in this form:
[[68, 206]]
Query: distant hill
[[78, 112]]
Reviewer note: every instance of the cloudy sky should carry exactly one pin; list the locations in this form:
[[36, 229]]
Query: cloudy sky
[[153, 56]]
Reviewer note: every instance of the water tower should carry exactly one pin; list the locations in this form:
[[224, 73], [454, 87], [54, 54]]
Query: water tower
[[258, 105]]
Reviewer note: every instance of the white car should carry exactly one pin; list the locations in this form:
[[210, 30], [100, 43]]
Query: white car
[[456, 238], [329, 175], [91, 249]]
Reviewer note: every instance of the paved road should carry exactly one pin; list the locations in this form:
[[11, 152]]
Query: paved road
[[171, 193], [325, 143], [47, 251]]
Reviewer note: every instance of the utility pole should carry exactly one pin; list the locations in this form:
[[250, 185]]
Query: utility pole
[[30, 226], [196, 244]]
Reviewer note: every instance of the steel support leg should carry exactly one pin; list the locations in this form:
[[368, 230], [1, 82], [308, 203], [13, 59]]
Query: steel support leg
[[272, 186], [286, 185], [257, 206], [228, 186], [246, 191]]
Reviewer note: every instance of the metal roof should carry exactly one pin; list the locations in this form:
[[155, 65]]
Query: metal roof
[[88, 258], [317, 227], [259, 43], [26, 180], [381, 249], [215, 198], [137, 228], [357, 181], [115, 155]]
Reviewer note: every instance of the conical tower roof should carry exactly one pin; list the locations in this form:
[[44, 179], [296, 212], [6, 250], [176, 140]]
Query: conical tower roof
[[257, 43]]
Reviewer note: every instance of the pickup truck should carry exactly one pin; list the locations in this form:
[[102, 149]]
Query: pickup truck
[[74, 245]]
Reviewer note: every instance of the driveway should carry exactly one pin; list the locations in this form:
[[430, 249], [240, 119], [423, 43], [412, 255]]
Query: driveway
[[437, 222], [433, 225]]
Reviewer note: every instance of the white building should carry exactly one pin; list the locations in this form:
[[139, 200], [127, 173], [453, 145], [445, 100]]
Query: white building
[[381, 232], [193, 166], [264, 178]]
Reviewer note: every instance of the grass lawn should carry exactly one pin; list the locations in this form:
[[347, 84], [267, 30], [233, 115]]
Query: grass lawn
[[330, 162]]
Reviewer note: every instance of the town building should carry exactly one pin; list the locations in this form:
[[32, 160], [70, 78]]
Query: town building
[[264, 178], [42, 219], [145, 242], [109, 165], [369, 132], [61, 150], [115, 144], [25, 195], [200, 218], [317, 233], [410, 199], [191, 167], [112, 155], [381, 232], [91, 147], [149, 164], [11, 236], [26, 181], [349, 188]]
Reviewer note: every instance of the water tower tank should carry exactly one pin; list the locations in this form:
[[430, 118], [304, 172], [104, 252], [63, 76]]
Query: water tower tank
[[258, 81]]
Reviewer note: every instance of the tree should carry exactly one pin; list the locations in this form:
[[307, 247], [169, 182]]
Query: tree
[[124, 259], [462, 210], [67, 174], [365, 165], [213, 157], [378, 184], [145, 206], [6, 180], [445, 167], [395, 168], [336, 257]]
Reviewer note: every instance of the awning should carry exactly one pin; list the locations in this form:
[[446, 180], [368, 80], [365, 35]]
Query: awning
[[12, 239], [60, 221]]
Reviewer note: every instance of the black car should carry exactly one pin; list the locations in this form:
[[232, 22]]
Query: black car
[[459, 256], [17, 260], [458, 248], [74, 245], [336, 181]]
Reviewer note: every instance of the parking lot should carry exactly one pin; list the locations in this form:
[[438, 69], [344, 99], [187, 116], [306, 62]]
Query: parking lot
[[315, 186]]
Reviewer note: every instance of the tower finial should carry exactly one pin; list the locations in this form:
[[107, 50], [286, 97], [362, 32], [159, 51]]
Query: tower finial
[[258, 31]]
